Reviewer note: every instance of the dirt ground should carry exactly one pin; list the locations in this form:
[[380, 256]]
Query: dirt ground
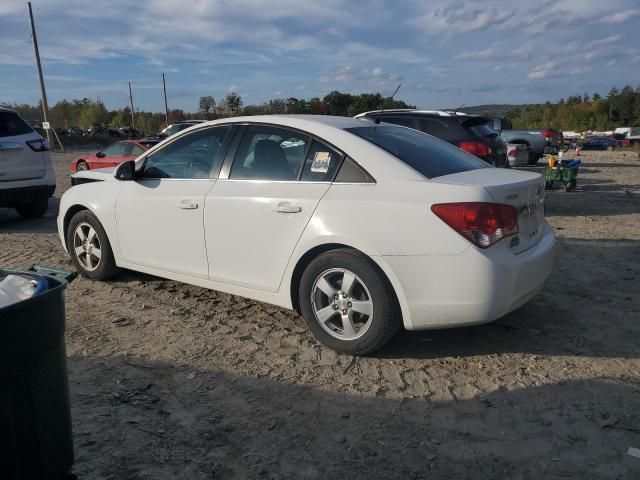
[[172, 381]]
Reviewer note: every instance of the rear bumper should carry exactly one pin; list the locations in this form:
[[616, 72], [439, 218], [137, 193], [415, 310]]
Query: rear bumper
[[473, 287], [11, 197]]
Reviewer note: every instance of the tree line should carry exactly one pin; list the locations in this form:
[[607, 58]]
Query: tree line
[[620, 108], [85, 113]]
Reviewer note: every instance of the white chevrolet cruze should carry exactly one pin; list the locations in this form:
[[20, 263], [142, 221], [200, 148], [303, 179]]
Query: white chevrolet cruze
[[360, 227]]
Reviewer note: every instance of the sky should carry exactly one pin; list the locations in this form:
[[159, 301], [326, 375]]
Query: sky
[[444, 53]]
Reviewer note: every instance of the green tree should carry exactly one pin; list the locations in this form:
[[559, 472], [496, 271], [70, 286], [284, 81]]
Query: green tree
[[233, 104], [207, 105], [92, 113]]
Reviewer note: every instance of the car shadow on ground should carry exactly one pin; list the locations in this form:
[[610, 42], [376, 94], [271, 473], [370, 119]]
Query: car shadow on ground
[[11, 222], [134, 418]]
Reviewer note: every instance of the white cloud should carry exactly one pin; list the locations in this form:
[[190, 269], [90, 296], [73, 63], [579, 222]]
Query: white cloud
[[621, 17]]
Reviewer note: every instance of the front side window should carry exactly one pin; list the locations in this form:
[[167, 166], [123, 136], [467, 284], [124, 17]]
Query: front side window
[[115, 149], [192, 156], [429, 156], [269, 153]]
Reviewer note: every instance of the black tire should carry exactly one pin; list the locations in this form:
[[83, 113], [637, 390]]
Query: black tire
[[33, 209], [386, 319], [106, 267], [82, 166]]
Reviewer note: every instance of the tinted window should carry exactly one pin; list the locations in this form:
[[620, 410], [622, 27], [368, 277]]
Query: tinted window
[[444, 128], [11, 124], [192, 156], [269, 153], [135, 150], [351, 172], [483, 130], [115, 149], [321, 163], [148, 145], [404, 121], [429, 156]]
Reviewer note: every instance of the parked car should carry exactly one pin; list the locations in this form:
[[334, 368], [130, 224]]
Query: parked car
[[539, 140], [599, 143], [361, 227], [177, 127], [468, 132], [113, 155], [517, 154], [27, 179]]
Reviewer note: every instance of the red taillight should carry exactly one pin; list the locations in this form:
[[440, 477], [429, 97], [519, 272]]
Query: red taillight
[[547, 134], [484, 224], [476, 148], [512, 153]]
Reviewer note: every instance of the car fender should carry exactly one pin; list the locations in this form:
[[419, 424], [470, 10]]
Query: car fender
[[99, 198], [311, 242]]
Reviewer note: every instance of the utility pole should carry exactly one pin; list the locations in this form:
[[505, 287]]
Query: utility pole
[[133, 124], [43, 93], [166, 109]]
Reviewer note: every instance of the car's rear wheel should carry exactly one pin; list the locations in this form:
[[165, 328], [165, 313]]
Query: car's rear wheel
[[33, 209], [89, 247], [348, 303], [82, 167]]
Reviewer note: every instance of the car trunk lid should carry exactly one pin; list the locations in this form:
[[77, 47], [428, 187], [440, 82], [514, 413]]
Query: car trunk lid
[[522, 190]]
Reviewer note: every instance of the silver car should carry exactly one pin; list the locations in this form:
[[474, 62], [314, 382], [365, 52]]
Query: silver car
[[27, 179]]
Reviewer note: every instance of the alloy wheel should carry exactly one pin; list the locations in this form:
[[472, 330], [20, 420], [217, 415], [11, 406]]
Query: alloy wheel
[[86, 246], [342, 304]]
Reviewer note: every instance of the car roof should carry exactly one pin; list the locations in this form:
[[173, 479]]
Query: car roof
[[406, 111], [5, 109], [285, 120]]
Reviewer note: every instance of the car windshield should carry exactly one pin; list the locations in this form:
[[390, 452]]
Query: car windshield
[[426, 154]]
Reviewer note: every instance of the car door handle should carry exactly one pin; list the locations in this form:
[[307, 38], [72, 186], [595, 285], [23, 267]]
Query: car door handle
[[286, 207], [188, 204]]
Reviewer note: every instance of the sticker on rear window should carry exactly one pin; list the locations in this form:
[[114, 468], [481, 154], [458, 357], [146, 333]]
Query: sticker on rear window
[[321, 162]]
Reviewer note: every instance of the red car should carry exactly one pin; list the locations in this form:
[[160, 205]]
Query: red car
[[113, 155]]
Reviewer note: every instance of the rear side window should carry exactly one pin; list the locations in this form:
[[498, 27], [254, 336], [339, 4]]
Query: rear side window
[[429, 156], [11, 124], [321, 163]]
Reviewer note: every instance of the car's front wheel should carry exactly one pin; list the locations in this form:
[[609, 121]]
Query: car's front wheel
[[348, 303], [33, 209], [89, 247], [82, 166]]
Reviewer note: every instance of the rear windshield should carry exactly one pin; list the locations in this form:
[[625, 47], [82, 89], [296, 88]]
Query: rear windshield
[[483, 130], [428, 155], [11, 124]]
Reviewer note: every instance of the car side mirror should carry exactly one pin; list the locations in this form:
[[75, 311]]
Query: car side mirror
[[126, 171], [100, 154]]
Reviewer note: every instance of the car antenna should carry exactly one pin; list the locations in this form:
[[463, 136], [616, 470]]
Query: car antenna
[[382, 110]]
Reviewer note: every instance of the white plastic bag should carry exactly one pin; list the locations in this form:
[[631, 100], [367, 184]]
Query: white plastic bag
[[15, 288]]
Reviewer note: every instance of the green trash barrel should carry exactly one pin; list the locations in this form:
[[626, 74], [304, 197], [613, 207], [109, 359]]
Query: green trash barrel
[[36, 441]]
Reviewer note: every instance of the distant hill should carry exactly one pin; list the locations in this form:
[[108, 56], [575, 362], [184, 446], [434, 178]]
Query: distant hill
[[495, 110]]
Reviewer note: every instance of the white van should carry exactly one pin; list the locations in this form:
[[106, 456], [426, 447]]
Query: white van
[[27, 179]]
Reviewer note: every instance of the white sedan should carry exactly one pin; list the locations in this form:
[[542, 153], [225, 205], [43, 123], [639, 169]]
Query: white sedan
[[360, 227]]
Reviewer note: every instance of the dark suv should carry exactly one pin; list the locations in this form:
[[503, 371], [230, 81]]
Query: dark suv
[[471, 133]]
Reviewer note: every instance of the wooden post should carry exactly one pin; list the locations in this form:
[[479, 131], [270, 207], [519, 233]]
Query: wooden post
[[166, 109], [43, 93]]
